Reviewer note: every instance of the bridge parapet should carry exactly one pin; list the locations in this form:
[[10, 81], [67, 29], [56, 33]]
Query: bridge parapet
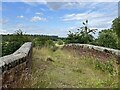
[[98, 48], [12, 66]]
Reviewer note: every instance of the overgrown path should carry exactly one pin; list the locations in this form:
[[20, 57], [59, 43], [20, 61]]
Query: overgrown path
[[65, 69]]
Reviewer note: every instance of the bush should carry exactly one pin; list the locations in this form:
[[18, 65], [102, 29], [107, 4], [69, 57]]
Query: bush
[[49, 43], [10, 47], [107, 38], [60, 42], [39, 42]]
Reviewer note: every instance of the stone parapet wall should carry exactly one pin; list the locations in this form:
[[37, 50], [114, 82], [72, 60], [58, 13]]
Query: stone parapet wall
[[12, 66], [98, 48]]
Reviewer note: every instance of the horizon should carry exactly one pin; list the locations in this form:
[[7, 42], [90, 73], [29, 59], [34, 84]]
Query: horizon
[[56, 18]]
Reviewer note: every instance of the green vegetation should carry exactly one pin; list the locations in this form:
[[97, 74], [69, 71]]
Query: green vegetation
[[12, 42], [82, 36], [116, 28], [69, 70], [108, 38]]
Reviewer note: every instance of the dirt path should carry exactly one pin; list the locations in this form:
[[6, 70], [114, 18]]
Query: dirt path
[[66, 70]]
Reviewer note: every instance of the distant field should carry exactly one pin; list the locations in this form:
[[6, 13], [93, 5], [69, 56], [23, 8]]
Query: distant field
[[68, 69]]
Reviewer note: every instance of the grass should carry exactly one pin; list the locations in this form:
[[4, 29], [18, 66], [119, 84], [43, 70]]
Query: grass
[[70, 70]]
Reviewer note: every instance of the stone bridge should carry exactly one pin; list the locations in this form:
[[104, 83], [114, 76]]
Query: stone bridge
[[13, 66]]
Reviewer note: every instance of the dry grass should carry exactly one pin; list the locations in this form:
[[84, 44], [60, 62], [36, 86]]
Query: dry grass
[[69, 70]]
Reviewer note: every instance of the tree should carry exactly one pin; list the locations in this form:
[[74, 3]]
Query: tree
[[12, 42], [86, 32], [18, 32], [107, 38], [83, 35], [72, 37], [116, 28]]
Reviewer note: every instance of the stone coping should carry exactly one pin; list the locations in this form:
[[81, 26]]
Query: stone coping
[[17, 57], [99, 48]]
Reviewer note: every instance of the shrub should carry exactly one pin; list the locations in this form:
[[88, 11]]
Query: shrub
[[60, 42], [107, 38], [10, 47], [49, 43], [39, 42]]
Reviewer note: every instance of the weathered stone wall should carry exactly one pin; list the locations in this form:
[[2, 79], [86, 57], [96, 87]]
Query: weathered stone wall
[[98, 48], [13, 67]]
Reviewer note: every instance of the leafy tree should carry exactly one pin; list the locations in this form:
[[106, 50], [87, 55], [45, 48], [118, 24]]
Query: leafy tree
[[116, 28], [83, 35], [72, 37], [18, 32], [12, 42], [107, 38], [10, 47]]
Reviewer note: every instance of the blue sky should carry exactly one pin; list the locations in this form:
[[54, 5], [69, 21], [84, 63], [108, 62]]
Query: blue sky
[[56, 18]]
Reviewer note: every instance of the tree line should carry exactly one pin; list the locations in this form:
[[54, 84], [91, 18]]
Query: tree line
[[11, 42]]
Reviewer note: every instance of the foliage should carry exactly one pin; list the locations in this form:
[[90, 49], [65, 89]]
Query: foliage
[[116, 28], [9, 47], [107, 38], [49, 43], [39, 42], [106, 66], [82, 36], [19, 32], [12, 42], [60, 42]]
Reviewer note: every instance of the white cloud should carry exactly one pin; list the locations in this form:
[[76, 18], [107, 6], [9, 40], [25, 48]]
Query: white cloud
[[78, 5], [20, 25], [99, 16], [34, 2], [42, 9], [37, 19], [21, 16], [39, 13], [96, 19], [2, 31], [82, 16]]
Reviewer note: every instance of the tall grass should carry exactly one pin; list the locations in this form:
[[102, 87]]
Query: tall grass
[[70, 70]]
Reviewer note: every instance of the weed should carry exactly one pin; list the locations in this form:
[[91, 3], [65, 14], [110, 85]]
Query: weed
[[105, 66]]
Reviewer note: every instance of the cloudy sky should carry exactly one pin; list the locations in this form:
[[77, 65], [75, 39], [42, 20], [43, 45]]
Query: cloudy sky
[[55, 18]]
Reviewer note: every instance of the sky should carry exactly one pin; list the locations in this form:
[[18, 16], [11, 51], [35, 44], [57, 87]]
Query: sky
[[55, 18]]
